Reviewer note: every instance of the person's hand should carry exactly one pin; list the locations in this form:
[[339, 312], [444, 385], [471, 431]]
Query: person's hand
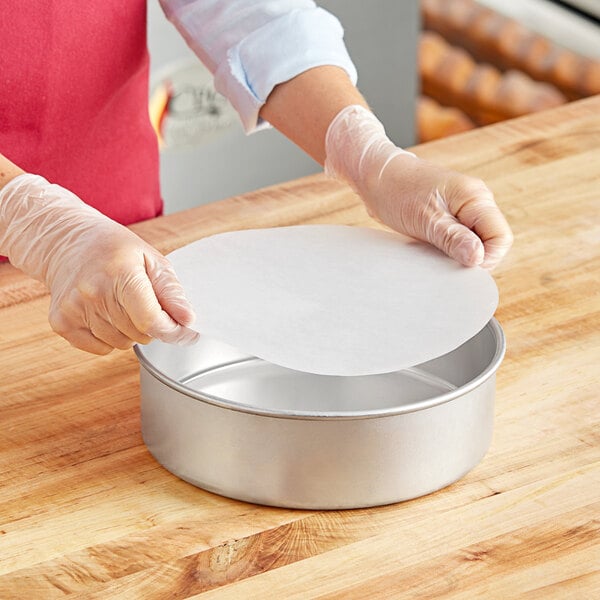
[[109, 288], [454, 212]]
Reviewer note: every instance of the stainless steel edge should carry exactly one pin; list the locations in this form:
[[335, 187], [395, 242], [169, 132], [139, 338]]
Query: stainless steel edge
[[316, 415]]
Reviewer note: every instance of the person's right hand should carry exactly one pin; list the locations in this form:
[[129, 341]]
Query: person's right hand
[[109, 288]]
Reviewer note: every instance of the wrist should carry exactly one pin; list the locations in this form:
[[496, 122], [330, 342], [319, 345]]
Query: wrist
[[358, 149], [35, 217]]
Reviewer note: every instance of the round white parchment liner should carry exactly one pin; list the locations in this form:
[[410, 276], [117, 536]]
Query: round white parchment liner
[[333, 299]]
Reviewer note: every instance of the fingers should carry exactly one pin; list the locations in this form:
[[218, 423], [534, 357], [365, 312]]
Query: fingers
[[496, 250], [454, 239], [93, 333], [84, 340], [120, 321], [79, 337], [458, 242], [473, 204]]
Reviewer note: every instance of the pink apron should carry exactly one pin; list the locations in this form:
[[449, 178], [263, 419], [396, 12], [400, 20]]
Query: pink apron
[[74, 100]]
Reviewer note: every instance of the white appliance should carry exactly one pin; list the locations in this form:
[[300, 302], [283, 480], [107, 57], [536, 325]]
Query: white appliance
[[206, 155]]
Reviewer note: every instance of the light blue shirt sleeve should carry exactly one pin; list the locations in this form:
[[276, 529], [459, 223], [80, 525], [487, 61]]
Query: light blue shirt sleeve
[[250, 46]]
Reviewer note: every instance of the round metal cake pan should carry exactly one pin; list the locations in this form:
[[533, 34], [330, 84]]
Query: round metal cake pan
[[247, 429]]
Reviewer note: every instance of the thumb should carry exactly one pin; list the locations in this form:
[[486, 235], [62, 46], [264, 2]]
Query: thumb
[[150, 313], [177, 313], [169, 291]]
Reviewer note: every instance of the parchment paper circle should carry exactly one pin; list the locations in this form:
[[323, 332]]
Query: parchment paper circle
[[333, 299]]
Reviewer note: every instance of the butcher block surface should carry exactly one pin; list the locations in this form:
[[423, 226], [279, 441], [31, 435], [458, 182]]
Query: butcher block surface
[[86, 512]]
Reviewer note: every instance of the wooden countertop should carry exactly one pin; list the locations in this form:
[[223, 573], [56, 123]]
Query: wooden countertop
[[85, 511]]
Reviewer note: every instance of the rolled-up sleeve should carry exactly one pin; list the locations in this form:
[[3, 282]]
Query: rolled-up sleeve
[[252, 45]]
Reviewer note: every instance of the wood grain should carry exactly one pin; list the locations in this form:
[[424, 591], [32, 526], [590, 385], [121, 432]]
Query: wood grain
[[85, 511]]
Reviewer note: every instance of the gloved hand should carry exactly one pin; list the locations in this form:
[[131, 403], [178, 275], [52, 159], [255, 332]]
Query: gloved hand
[[108, 287], [454, 212]]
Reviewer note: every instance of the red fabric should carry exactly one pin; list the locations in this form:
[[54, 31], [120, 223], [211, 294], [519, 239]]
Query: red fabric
[[74, 100]]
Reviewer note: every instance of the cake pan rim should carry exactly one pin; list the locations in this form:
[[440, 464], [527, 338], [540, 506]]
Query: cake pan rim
[[312, 415]]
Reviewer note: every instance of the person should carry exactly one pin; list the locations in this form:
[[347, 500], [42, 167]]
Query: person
[[74, 124]]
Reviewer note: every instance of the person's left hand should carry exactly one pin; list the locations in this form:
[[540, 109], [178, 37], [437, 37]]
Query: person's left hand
[[454, 212]]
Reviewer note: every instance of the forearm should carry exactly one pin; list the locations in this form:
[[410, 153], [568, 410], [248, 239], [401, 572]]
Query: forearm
[[303, 107], [252, 47]]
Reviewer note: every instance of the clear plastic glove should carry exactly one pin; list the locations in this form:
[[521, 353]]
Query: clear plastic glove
[[454, 212], [108, 287]]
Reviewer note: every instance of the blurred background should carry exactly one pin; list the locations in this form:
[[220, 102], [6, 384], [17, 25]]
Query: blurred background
[[429, 69]]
